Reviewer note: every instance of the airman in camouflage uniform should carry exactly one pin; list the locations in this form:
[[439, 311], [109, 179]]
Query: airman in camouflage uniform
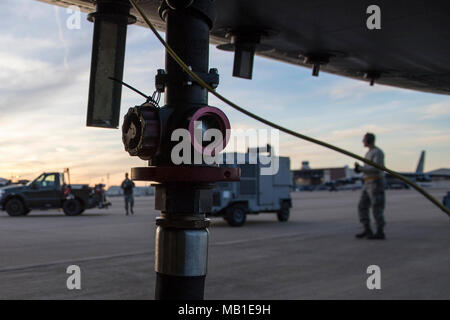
[[127, 187], [373, 194]]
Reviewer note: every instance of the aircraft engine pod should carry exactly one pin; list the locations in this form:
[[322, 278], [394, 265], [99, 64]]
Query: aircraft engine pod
[[141, 131], [209, 118]]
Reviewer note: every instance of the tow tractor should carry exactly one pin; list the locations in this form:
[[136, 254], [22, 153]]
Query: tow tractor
[[50, 191]]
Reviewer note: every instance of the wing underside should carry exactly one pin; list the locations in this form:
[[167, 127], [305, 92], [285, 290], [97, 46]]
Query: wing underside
[[411, 50]]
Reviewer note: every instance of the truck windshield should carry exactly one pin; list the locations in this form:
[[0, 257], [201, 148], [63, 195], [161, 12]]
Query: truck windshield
[[36, 181], [45, 181], [48, 182]]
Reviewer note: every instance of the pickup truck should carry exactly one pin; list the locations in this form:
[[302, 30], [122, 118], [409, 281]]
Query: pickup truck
[[49, 191]]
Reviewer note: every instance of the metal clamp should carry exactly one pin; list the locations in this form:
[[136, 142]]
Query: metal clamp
[[211, 78]]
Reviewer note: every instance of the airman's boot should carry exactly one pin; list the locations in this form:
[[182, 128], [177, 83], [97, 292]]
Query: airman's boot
[[379, 235], [366, 233]]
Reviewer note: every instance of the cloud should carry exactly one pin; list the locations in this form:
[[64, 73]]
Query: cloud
[[435, 110], [347, 88], [61, 38], [27, 44], [358, 132], [12, 65], [433, 137]]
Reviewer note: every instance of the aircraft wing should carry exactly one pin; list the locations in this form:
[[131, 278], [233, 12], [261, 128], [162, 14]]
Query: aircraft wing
[[411, 50]]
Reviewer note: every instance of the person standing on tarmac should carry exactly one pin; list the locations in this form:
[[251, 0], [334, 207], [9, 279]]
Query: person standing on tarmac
[[373, 194], [127, 187]]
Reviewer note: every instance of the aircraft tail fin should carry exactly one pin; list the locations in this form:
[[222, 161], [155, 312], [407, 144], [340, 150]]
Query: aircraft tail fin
[[421, 164]]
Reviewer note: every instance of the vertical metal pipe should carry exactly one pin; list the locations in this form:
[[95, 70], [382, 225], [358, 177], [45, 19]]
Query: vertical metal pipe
[[181, 249], [188, 35], [180, 263]]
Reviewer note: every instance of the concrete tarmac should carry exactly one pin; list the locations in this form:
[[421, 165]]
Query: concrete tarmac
[[313, 256]]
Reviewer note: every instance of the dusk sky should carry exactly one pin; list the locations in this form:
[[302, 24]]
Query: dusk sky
[[44, 77]]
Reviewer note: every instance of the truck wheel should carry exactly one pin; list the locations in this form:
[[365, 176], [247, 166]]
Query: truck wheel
[[283, 214], [72, 207], [15, 208], [236, 215]]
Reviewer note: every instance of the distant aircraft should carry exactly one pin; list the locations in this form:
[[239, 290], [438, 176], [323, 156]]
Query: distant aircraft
[[420, 165], [417, 176]]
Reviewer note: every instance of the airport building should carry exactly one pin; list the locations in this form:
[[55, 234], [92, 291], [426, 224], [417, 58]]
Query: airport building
[[308, 176], [440, 178], [439, 174], [116, 191]]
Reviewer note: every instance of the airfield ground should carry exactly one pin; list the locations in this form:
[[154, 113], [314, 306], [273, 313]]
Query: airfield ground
[[313, 256]]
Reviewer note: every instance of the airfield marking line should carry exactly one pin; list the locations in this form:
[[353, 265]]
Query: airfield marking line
[[70, 261], [282, 236], [225, 243], [123, 255]]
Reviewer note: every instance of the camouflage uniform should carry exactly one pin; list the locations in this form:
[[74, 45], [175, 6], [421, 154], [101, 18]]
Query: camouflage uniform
[[373, 190], [127, 186]]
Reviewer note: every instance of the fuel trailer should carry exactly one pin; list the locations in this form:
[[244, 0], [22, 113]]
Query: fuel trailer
[[264, 187]]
